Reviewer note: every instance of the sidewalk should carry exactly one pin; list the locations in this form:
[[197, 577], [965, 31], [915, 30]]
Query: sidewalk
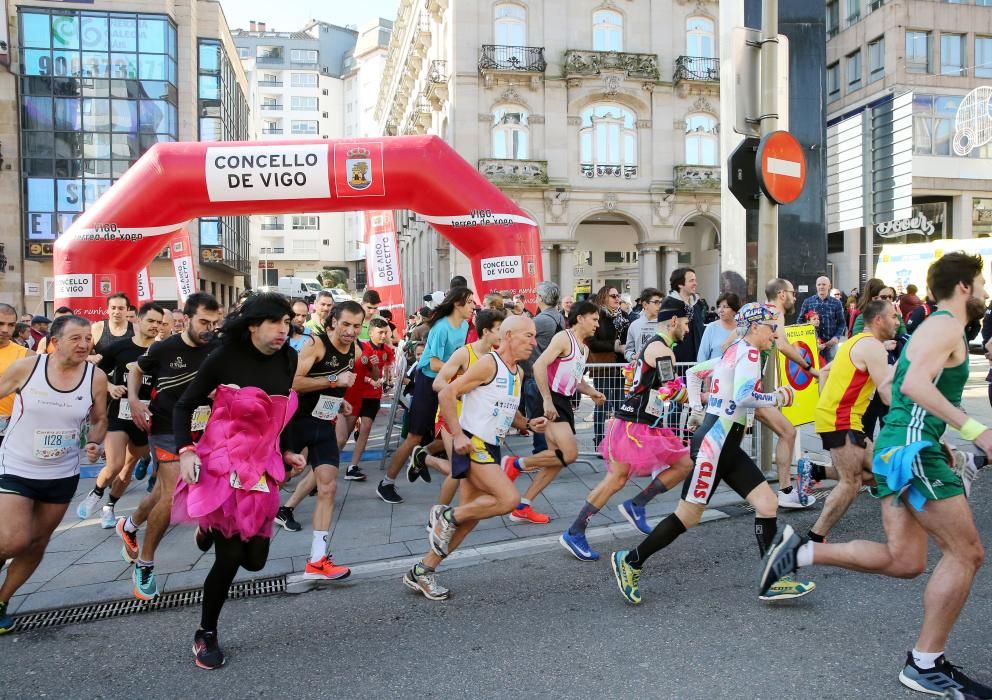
[[83, 563]]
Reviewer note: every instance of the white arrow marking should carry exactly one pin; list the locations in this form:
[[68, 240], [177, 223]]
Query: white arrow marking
[[789, 168]]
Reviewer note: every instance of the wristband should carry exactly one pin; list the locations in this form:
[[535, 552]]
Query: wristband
[[91, 442], [971, 429]]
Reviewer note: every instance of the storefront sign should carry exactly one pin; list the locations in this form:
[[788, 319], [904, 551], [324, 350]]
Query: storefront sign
[[917, 224]]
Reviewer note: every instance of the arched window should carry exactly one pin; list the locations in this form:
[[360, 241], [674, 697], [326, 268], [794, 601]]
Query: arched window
[[511, 25], [510, 132], [607, 31], [608, 141], [702, 144], [699, 39]]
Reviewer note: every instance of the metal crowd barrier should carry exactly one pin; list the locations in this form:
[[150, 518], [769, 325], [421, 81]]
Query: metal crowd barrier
[[399, 372]]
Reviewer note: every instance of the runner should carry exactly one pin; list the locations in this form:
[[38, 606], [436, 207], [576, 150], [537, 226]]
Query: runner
[[326, 369], [115, 328], [322, 306], [449, 327], [717, 454], [126, 443], [39, 458], [168, 367], [922, 497], [637, 442], [558, 373], [299, 331], [10, 352], [859, 367], [231, 476], [490, 386], [370, 304]]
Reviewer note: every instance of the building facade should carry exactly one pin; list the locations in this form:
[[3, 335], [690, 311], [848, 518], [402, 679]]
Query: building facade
[[599, 118], [89, 89], [909, 141]]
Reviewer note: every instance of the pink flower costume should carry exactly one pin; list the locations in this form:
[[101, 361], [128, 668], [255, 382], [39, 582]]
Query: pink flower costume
[[242, 466]]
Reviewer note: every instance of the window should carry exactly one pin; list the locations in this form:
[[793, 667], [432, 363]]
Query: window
[[952, 54], [833, 81], [511, 25], [303, 127], [305, 245], [983, 56], [303, 79], [833, 18], [510, 132], [699, 41], [854, 71], [853, 11], [702, 144], [244, 52], [933, 126], [608, 136], [607, 31], [303, 56], [269, 54], [303, 104], [917, 52], [307, 222], [876, 59]]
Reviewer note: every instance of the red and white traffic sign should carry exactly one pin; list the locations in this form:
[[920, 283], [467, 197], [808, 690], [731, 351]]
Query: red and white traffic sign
[[781, 167]]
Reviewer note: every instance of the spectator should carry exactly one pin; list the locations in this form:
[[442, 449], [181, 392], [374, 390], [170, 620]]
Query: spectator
[[683, 286], [39, 330], [132, 314], [22, 335], [566, 306], [548, 321], [457, 281], [643, 328], [605, 348], [493, 301], [831, 313], [909, 301], [884, 294], [518, 302], [872, 288], [837, 294], [717, 332], [26, 318], [850, 308]]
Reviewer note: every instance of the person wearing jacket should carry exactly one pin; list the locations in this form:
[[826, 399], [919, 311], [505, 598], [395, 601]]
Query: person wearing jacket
[[605, 347], [683, 286]]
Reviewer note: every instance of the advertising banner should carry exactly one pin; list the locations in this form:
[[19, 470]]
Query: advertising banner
[[805, 385], [382, 263]]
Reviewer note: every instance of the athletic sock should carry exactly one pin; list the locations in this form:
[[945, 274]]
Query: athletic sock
[[145, 564], [386, 481], [804, 555], [655, 488], [112, 501], [524, 502], [787, 489], [663, 534], [129, 526], [819, 472], [419, 569], [98, 491], [926, 659], [764, 531], [449, 515], [813, 537], [518, 462], [318, 547], [583, 518]]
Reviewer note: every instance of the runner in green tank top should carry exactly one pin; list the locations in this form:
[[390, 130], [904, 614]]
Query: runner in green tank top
[[922, 497]]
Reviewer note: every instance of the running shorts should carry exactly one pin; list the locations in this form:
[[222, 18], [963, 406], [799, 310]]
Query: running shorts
[[838, 438], [138, 437], [563, 405], [369, 408], [42, 490], [717, 456], [317, 436], [423, 407], [482, 453], [932, 474], [164, 447]]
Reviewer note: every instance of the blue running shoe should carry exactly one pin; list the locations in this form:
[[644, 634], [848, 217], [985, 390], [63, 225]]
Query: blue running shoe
[[144, 583], [151, 484], [635, 515], [942, 677], [578, 546], [141, 468], [6, 621]]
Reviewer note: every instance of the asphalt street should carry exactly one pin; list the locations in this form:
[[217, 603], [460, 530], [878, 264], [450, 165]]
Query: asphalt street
[[541, 625]]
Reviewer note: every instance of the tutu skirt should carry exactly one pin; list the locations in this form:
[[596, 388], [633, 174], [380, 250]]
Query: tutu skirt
[[647, 450]]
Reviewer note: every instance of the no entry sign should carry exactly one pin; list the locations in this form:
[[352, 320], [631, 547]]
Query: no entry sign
[[781, 167]]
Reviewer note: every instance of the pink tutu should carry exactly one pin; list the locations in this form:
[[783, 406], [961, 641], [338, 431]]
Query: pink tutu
[[647, 450], [241, 438]]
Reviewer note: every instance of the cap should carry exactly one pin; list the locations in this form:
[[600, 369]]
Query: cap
[[754, 312], [40, 319]]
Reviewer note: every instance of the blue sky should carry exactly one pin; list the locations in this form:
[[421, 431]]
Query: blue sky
[[289, 15]]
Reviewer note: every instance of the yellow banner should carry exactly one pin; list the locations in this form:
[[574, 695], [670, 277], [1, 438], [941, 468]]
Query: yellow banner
[[803, 337]]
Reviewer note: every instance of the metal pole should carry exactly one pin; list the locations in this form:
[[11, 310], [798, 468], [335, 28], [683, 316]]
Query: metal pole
[[767, 209]]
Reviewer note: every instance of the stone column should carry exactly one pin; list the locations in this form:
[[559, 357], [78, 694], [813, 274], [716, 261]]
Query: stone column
[[546, 253], [671, 263], [647, 256], [566, 264]]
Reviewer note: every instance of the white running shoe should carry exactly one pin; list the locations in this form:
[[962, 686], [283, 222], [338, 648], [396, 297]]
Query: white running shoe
[[108, 520], [88, 505], [966, 469], [794, 500]]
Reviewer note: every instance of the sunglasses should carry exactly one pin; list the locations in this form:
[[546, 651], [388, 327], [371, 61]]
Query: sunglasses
[[614, 296], [886, 297]]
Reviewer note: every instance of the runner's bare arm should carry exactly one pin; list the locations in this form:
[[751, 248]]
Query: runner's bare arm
[[478, 374], [559, 346], [311, 353], [98, 413], [927, 355], [139, 414], [455, 364], [876, 361], [15, 376], [791, 352]]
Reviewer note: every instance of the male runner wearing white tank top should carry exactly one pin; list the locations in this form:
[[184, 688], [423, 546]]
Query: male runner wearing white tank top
[[39, 458]]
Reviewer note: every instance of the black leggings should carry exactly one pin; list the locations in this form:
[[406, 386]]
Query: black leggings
[[231, 553]]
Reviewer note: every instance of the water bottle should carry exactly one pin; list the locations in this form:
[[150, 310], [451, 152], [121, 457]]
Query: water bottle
[[802, 484]]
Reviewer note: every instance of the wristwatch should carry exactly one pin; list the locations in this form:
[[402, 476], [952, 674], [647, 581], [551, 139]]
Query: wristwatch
[[333, 380]]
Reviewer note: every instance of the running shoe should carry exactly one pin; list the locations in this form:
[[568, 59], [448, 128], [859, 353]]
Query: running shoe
[[141, 468], [417, 466], [354, 473], [636, 515], [795, 499], [143, 578], [7, 621], [108, 520], [780, 560], [88, 505], [204, 539], [425, 582], [627, 577], [284, 517], [387, 492], [130, 539], [325, 570], [804, 480], [206, 650], [442, 530], [943, 676], [529, 515], [510, 467], [578, 546], [787, 588], [966, 467]]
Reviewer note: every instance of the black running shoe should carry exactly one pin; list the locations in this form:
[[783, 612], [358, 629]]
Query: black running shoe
[[284, 517], [354, 473], [206, 650], [781, 558], [204, 539], [942, 677], [387, 492]]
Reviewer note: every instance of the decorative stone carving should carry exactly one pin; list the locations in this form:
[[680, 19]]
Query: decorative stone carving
[[611, 83], [515, 173], [610, 201], [703, 105], [642, 66], [643, 123], [555, 207], [662, 211], [485, 118], [575, 121], [536, 119], [512, 96]]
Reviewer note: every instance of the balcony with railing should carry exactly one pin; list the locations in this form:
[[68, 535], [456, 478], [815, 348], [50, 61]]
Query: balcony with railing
[[590, 170], [303, 65], [512, 59], [697, 178], [272, 106], [642, 66], [696, 69], [270, 60], [272, 130], [270, 83], [437, 82], [515, 173], [277, 226], [271, 251]]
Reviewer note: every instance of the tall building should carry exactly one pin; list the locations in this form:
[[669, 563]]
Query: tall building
[[599, 118], [91, 87], [909, 145], [297, 87]]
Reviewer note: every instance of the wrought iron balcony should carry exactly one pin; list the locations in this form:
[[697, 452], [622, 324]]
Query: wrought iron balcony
[[514, 173], [637, 65], [270, 60], [437, 72], [271, 251], [513, 59], [272, 227], [599, 170], [697, 177], [269, 105], [270, 83], [698, 69], [423, 105], [272, 130]]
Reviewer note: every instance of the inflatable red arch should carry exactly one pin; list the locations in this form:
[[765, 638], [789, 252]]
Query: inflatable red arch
[[172, 183]]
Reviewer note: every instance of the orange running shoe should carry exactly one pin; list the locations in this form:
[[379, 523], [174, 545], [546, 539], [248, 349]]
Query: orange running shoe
[[529, 515], [130, 539], [325, 570], [510, 467]]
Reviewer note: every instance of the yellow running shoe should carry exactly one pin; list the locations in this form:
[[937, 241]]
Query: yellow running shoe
[[787, 588], [627, 577]]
